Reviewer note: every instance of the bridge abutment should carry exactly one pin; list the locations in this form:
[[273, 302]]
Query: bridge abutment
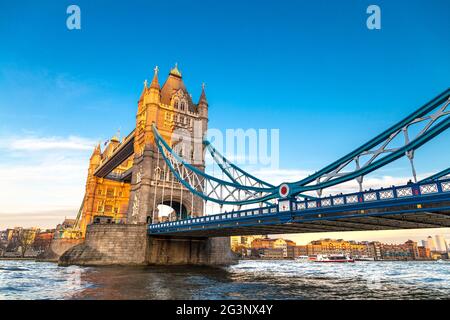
[[129, 244], [190, 251], [109, 244]]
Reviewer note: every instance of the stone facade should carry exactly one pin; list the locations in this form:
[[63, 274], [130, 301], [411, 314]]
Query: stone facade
[[190, 251], [104, 197], [130, 245], [57, 248], [109, 245], [182, 123]]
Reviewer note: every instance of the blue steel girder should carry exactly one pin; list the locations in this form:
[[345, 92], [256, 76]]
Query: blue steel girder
[[436, 176], [379, 149], [238, 175], [246, 189], [233, 172], [395, 201], [209, 187]]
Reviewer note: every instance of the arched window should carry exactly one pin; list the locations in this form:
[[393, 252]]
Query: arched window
[[176, 104], [158, 173], [182, 106]]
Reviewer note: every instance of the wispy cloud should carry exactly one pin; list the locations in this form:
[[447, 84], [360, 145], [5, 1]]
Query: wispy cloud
[[43, 175], [34, 143]]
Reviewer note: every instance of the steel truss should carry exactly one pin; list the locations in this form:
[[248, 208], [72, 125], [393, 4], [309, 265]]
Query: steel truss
[[243, 188], [383, 149]]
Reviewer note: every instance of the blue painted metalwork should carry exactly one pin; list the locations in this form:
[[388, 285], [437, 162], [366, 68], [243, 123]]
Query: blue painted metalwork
[[424, 110], [329, 208], [245, 189], [240, 194], [438, 175], [222, 161]]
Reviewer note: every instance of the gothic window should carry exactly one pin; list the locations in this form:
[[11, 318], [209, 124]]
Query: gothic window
[[182, 106], [99, 206], [110, 192], [157, 173], [176, 104]]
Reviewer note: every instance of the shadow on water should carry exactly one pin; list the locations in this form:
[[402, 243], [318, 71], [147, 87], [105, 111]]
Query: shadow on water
[[153, 282]]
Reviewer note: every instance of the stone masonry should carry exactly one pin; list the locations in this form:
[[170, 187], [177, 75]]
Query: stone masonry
[[109, 245], [129, 245]]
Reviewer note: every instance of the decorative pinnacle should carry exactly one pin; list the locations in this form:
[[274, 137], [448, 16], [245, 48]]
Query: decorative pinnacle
[[203, 95], [155, 83], [145, 83], [175, 70]]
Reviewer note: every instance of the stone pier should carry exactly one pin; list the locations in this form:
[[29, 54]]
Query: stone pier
[[130, 245], [191, 251], [57, 248]]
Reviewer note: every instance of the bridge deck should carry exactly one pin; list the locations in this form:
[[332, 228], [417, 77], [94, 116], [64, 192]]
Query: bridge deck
[[415, 206]]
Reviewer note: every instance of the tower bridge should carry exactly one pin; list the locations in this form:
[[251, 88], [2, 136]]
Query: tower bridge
[[162, 163]]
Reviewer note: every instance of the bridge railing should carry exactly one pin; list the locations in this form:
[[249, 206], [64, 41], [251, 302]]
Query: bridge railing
[[225, 216], [370, 196], [394, 192]]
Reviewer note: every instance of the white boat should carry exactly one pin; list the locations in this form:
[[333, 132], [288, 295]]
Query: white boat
[[302, 259], [365, 258], [334, 258]]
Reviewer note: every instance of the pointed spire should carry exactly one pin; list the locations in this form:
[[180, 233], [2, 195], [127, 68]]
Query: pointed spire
[[202, 99], [144, 90], [155, 82], [174, 71], [97, 150]]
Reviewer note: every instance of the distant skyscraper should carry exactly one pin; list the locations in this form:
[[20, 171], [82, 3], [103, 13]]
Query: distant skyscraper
[[431, 244], [441, 246]]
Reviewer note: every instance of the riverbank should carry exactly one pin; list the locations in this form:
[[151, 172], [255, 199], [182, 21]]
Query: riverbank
[[291, 259], [18, 258]]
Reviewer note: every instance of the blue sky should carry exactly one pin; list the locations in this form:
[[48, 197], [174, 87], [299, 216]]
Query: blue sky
[[310, 68]]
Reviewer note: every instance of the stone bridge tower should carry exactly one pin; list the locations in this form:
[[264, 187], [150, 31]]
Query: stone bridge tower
[[182, 123]]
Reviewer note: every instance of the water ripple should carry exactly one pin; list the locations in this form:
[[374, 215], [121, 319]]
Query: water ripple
[[246, 280]]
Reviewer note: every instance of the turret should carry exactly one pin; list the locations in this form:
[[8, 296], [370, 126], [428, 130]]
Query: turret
[[154, 95], [94, 162], [113, 143], [96, 157], [143, 95], [203, 103], [144, 91]]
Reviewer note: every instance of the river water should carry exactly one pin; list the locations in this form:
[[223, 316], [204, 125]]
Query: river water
[[246, 280]]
